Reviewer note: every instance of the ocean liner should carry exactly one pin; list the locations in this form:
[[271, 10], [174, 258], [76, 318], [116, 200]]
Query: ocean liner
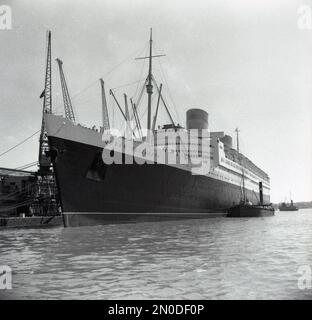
[[95, 190]]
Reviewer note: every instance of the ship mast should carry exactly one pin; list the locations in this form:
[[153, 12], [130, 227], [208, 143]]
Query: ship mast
[[240, 161], [149, 86], [244, 192]]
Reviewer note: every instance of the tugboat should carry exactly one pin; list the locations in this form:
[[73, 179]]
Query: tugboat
[[288, 207], [245, 208]]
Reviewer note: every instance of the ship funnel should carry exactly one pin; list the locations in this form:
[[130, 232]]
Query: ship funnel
[[261, 192], [196, 119], [227, 141]]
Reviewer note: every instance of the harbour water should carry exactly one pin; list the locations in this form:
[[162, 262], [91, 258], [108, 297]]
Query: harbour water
[[218, 258]]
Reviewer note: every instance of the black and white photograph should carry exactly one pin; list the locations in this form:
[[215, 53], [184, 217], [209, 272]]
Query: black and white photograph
[[155, 151]]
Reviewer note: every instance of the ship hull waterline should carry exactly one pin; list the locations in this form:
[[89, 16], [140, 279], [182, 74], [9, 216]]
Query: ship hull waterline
[[249, 211]]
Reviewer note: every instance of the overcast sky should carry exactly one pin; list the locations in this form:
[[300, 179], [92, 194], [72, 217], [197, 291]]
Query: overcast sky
[[245, 62]]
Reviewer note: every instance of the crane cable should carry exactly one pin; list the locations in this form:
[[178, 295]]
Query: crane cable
[[25, 166], [5, 152]]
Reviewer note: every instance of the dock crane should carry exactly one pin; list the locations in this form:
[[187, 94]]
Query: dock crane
[[69, 112], [45, 196], [44, 159], [105, 118]]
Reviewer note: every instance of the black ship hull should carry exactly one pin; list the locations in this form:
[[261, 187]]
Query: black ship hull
[[94, 193], [244, 211], [288, 209]]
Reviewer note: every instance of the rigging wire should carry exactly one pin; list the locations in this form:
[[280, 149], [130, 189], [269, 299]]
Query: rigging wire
[[20, 191], [112, 108], [13, 195], [123, 61], [144, 112], [169, 92], [20, 143], [168, 88], [140, 96], [28, 165], [128, 84], [105, 74], [141, 73], [23, 203], [93, 100]]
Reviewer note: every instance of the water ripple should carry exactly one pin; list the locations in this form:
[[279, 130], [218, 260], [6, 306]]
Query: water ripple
[[193, 259]]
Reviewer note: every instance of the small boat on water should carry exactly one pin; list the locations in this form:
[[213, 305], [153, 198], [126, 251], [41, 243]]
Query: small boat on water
[[250, 210], [245, 208], [288, 206]]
